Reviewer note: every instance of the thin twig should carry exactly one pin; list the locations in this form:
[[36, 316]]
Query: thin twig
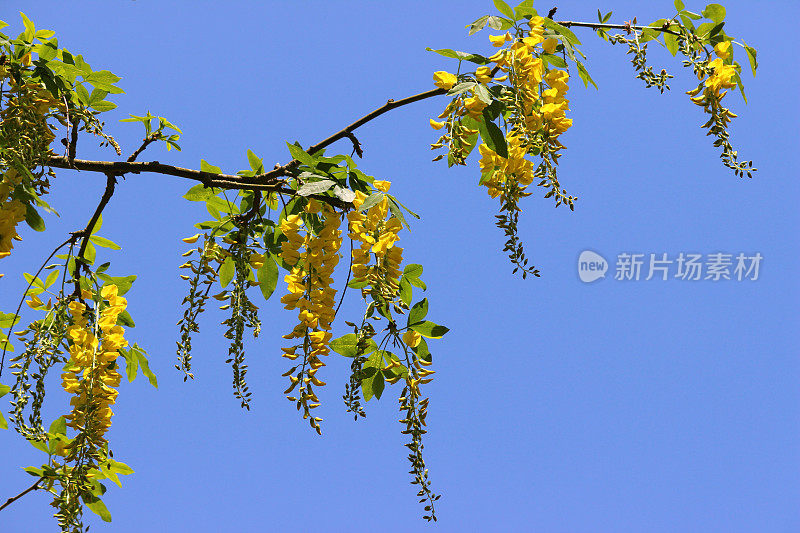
[[11, 500], [24, 294], [145, 143], [111, 181], [604, 26]]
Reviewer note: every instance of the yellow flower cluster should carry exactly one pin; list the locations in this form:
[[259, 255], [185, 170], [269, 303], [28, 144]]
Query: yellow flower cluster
[[538, 112], [91, 373], [515, 167], [12, 212], [721, 79], [377, 237], [310, 280]]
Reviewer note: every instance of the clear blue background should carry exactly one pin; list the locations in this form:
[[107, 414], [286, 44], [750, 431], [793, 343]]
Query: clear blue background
[[557, 406]]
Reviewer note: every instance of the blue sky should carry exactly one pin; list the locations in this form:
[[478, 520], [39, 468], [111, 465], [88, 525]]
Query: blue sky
[[557, 405]]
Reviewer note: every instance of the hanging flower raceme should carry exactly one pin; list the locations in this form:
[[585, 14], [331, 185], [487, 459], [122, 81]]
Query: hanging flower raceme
[[376, 261], [12, 212], [91, 374], [313, 258], [710, 93]]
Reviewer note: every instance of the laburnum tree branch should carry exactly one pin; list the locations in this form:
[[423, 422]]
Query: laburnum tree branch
[[33, 487], [270, 181]]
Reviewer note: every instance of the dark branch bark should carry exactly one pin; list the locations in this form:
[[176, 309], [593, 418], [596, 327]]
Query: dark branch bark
[[11, 500], [604, 26]]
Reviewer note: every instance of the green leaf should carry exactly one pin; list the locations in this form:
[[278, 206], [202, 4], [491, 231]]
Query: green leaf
[[499, 23], [301, 155], [39, 445], [103, 106], [256, 163], [346, 345], [315, 187], [30, 29], [125, 319], [478, 25], [33, 219], [222, 205], [412, 271], [51, 278], [104, 243], [207, 167], [483, 94], [422, 350], [715, 12], [671, 42], [58, 426], [493, 136], [4, 389], [561, 30], [430, 329], [584, 74], [504, 8], [739, 84], [556, 61], [123, 283], [6, 321], [751, 55], [140, 354], [200, 193], [36, 282], [344, 194], [131, 363], [455, 54], [373, 384], [97, 225], [268, 276], [371, 200], [418, 312], [226, 271], [32, 470], [3, 422], [406, 291], [98, 507], [679, 5]]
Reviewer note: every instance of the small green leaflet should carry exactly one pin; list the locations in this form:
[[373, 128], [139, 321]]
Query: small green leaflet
[[493, 136], [301, 155], [315, 187], [430, 329], [268, 276]]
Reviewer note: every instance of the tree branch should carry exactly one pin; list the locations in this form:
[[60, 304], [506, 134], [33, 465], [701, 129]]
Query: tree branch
[[111, 181], [604, 26], [11, 500]]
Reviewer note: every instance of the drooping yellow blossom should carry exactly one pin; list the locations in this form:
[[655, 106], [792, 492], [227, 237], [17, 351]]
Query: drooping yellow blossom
[[382, 185], [12, 212], [722, 50], [91, 374], [444, 80], [412, 338], [378, 237], [549, 45]]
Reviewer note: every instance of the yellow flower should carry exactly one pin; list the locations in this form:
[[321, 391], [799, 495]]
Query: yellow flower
[[549, 45], [499, 40], [483, 74], [444, 80], [437, 125], [412, 338], [723, 50], [474, 106], [382, 185]]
